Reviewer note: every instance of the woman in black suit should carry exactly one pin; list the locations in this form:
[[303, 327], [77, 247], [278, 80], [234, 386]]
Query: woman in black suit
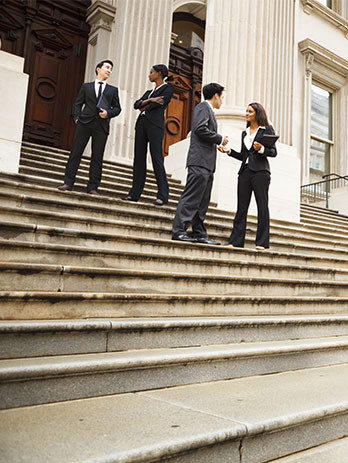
[[253, 176], [149, 128]]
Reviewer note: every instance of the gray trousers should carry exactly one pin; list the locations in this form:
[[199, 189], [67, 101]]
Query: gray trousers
[[194, 202]]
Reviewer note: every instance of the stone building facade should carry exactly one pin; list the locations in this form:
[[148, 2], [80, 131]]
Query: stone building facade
[[290, 55]]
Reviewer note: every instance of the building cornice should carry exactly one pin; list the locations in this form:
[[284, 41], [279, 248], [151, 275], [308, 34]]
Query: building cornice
[[330, 15]]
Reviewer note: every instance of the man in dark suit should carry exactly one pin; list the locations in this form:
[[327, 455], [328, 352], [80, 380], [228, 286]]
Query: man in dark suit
[[96, 103], [201, 161]]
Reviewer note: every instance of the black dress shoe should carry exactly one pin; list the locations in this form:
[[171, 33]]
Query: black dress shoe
[[184, 237], [158, 202], [206, 241], [129, 198], [93, 192], [65, 187]]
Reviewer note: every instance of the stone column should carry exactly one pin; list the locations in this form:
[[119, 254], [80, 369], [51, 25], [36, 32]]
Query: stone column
[[249, 48], [140, 37], [13, 95], [100, 16]]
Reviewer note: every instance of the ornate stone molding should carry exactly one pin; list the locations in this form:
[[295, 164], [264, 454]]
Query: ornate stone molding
[[315, 52], [100, 15], [310, 6]]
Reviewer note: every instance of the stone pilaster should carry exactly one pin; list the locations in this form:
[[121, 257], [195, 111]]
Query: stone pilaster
[[13, 95]]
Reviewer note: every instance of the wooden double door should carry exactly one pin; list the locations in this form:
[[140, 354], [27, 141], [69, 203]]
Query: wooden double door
[[186, 67], [53, 38]]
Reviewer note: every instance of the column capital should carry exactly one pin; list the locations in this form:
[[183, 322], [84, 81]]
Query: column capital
[[100, 16]]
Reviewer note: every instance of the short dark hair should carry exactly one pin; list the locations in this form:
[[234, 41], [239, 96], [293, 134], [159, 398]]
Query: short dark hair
[[261, 115], [209, 90], [101, 64], [162, 68]]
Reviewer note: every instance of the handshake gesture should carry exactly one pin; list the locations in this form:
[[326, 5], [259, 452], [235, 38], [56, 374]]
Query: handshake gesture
[[223, 147]]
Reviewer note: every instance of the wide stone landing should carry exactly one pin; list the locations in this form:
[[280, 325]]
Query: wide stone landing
[[249, 420]]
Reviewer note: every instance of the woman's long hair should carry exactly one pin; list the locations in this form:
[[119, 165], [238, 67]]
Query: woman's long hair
[[162, 68], [261, 116]]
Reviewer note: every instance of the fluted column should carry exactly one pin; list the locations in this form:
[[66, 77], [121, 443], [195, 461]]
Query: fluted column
[[140, 38], [250, 50]]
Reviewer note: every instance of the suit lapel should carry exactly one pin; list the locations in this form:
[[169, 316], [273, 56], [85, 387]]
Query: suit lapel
[[92, 90], [259, 134]]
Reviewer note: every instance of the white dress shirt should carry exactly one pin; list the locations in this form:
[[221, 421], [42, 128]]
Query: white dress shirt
[[96, 86], [250, 137]]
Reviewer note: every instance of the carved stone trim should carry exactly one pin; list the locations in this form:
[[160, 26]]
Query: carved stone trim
[[310, 6], [100, 16], [315, 52]]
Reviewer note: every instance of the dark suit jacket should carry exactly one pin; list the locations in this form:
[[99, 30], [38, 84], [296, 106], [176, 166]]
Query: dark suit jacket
[[256, 161], [154, 112], [87, 99], [204, 138]]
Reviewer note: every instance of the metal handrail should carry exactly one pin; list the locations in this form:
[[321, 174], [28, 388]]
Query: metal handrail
[[314, 192]]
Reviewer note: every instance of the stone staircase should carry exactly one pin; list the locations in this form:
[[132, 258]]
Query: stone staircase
[[120, 345]]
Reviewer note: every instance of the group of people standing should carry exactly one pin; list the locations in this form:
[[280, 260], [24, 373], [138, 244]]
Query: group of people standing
[[98, 102]]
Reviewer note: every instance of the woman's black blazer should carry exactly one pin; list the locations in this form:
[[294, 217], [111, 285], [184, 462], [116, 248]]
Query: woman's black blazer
[[154, 112], [256, 161]]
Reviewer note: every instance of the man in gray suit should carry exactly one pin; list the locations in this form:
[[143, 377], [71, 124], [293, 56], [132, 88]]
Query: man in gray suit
[[201, 161]]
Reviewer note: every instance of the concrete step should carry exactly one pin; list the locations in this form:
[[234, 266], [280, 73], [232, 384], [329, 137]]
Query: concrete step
[[287, 413], [80, 212], [120, 239], [38, 380], [31, 186], [46, 169], [31, 157], [31, 305], [292, 267], [20, 339], [31, 151], [110, 185], [335, 451], [147, 224], [61, 278]]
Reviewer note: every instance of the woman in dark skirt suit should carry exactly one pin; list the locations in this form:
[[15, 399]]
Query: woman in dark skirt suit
[[253, 176], [149, 129]]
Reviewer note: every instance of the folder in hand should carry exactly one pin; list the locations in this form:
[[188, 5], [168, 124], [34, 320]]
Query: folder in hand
[[268, 140], [103, 104]]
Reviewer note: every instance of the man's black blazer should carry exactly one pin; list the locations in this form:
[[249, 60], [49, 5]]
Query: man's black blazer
[[87, 99], [256, 162], [154, 112]]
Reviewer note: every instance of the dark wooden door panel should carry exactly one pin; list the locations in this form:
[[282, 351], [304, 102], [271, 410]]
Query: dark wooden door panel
[[52, 37]]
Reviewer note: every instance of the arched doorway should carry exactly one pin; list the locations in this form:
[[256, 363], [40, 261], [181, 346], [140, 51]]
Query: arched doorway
[[186, 65]]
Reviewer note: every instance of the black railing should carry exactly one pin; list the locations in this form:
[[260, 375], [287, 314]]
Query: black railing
[[320, 191]]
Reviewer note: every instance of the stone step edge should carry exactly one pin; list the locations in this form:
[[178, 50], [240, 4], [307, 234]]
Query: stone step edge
[[231, 430], [97, 236], [195, 261], [34, 183], [107, 185], [164, 324], [52, 160], [61, 270], [165, 298], [276, 229], [54, 366], [44, 150], [152, 213]]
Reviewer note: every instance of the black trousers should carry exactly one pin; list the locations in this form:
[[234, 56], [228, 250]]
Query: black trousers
[[193, 203], [248, 182], [147, 133], [83, 133]]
